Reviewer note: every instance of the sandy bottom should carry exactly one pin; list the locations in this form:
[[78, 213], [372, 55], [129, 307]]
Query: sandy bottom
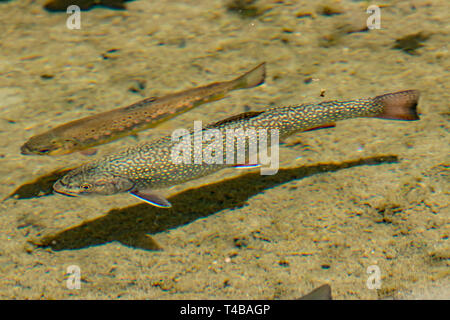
[[366, 193]]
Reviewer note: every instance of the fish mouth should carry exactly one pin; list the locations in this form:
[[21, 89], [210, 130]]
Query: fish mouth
[[58, 187], [65, 193], [53, 150], [25, 149]]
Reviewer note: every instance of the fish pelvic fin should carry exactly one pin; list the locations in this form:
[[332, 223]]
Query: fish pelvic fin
[[400, 105], [152, 198], [252, 78]]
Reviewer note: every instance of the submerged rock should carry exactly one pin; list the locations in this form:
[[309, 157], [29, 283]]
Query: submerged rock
[[411, 42], [245, 8]]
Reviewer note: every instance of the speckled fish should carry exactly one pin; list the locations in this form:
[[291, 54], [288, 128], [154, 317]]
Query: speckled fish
[[145, 168], [117, 123]]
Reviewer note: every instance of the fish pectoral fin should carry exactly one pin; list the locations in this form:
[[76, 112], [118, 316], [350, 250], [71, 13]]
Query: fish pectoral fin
[[89, 152], [135, 136], [152, 198]]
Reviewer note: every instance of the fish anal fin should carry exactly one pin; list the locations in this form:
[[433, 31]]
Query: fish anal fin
[[215, 97], [247, 166], [152, 198]]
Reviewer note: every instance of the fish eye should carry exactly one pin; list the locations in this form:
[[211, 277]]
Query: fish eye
[[86, 186], [44, 151]]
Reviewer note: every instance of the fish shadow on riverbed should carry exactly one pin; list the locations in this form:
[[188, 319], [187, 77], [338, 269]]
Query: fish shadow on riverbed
[[132, 225], [40, 187]]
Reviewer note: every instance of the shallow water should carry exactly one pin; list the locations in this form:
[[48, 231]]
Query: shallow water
[[367, 193]]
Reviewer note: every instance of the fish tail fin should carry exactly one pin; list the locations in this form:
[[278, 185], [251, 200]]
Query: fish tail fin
[[252, 78], [400, 105]]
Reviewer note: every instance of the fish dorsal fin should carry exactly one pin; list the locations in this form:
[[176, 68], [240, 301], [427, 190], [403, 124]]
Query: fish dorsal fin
[[241, 116], [321, 293], [152, 198], [141, 103]]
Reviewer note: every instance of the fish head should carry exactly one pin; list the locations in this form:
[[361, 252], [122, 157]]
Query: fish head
[[47, 144], [89, 180]]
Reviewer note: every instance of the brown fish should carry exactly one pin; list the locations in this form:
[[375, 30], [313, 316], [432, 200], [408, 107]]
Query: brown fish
[[117, 123]]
